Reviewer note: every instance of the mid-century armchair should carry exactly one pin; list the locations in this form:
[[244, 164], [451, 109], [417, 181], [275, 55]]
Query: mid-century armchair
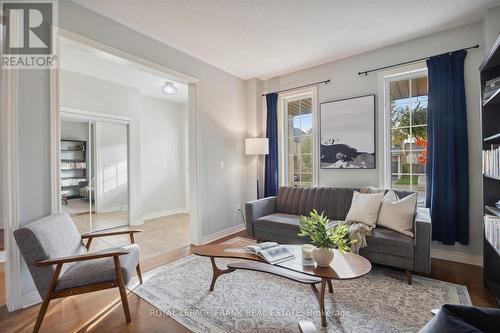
[[61, 265]]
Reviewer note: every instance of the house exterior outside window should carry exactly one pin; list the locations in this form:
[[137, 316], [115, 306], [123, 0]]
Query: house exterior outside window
[[406, 110]]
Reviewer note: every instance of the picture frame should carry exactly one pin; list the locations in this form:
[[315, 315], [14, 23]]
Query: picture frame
[[348, 133]]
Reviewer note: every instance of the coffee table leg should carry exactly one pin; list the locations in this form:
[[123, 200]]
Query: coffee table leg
[[216, 272], [321, 299], [330, 287]]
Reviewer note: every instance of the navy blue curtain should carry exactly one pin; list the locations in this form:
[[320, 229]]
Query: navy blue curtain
[[447, 166], [271, 172]]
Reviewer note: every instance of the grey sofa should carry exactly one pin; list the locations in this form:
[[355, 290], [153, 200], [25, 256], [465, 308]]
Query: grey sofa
[[276, 219]]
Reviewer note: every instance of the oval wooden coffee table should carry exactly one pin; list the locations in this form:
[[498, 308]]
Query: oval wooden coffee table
[[344, 266]]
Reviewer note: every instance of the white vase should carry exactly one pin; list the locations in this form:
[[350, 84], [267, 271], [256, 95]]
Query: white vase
[[323, 256]]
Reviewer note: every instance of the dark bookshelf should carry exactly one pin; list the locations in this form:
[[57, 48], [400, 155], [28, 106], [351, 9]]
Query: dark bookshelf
[[73, 151], [490, 117]]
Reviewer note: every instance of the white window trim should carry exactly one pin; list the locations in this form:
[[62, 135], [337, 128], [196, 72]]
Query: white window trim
[[384, 80], [283, 98]]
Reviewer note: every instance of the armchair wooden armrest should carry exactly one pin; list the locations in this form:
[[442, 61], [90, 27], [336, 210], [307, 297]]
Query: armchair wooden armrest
[[91, 236], [80, 257], [112, 233]]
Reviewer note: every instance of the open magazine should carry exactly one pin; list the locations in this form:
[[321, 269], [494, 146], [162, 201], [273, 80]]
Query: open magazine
[[271, 252]]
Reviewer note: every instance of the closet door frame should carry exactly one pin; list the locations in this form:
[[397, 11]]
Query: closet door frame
[[92, 116]]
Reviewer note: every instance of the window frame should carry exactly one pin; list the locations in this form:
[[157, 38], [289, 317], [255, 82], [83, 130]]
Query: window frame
[[405, 73], [283, 100]]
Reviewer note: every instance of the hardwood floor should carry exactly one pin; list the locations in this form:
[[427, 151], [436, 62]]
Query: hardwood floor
[[102, 311]]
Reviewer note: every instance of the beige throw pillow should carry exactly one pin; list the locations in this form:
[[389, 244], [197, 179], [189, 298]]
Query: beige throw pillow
[[397, 214], [364, 208]]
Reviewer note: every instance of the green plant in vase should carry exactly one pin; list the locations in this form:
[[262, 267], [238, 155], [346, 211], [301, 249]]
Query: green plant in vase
[[325, 237]]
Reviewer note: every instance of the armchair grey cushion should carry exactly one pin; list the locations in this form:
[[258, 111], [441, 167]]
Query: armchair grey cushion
[[84, 273], [56, 236], [50, 237]]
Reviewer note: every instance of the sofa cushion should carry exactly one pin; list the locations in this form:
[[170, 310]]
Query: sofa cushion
[[388, 241], [281, 220], [364, 208], [88, 272], [398, 215], [334, 202]]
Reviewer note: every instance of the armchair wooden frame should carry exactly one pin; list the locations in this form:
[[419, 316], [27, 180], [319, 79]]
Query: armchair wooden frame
[[119, 282]]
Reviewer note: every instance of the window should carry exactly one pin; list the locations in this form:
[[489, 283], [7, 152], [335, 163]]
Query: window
[[407, 106], [299, 141]]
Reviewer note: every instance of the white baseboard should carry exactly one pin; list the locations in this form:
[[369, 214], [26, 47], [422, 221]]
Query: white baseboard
[[31, 299], [2, 256], [164, 213], [455, 256], [222, 233]]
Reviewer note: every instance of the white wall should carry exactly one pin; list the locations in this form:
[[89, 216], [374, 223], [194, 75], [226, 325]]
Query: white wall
[[112, 167], [163, 126], [491, 27], [71, 130], [159, 131], [220, 121], [92, 94], [347, 83]]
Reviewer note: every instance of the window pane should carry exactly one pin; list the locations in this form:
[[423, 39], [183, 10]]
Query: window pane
[[400, 114], [400, 138], [300, 142], [419, 101], [400, 103], [400, 182], [408, 113], [417, 161], [400, 162], [419, 187], [400, 90], [419, 87]]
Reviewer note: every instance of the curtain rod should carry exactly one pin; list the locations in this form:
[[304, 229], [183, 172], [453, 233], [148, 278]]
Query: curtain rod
[[305, 85], [365, 73]]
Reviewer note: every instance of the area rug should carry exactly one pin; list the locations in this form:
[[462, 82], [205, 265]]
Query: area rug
[[246, 301]]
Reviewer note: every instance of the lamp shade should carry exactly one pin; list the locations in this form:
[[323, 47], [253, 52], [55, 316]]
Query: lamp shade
[[256, 146]]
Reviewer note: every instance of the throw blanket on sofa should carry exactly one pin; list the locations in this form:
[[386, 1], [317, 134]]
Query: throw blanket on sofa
[[357, 231]]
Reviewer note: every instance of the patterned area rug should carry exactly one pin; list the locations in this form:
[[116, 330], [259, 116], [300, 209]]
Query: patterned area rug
[[245, 301]]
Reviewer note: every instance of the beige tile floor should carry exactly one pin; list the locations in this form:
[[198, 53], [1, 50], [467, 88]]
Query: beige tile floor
[[75, 206], [158, 236], [100, 221]]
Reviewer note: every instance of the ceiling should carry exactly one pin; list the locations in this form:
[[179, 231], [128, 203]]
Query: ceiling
[[85, 60], [266, 38]]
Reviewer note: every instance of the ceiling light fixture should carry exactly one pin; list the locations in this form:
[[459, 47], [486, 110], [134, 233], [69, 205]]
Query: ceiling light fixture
[[169, 89]]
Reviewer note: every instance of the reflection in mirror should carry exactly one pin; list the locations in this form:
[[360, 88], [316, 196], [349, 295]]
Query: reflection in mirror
[[111, 176], [94, 173], [75, 172]]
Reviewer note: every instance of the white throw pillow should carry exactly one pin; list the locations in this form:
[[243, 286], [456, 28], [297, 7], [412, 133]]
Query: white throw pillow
[[364, 208], [397, 214]]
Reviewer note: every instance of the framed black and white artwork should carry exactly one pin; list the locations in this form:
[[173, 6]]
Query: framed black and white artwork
[[347, 133]]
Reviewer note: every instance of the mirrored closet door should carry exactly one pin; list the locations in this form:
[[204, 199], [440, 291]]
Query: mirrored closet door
[[94, 172]]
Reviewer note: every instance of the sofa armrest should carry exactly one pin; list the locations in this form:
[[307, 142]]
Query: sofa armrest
[[423, 229], [256, 209]]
